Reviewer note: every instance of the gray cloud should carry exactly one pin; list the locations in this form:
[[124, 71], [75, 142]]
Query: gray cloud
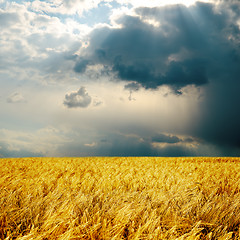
[[180, 52], [70, 3], [141, 53], [133, 86], [7, 19], [81, 66], [163, 138], [120, 145], [178, 75], [77, 99], [5, 152], [196, 45], [220, 112]]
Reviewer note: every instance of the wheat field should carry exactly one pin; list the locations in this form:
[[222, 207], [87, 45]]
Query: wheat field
[[120, 198]]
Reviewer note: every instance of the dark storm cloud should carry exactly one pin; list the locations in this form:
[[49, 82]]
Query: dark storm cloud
[[81, 66], [139, 52], [172, 139], [182, 51], [120, 145], [112, 145], [135, 148], [163, 138], [178, 75], [220, 118], [197, 45], [77, 99], [220, 112]]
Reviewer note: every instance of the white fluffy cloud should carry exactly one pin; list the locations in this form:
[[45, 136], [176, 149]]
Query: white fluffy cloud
[[157, 3], [67, 7], [36, 46]]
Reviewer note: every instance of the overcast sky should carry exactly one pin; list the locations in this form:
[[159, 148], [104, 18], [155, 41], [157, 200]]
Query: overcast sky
[[119, 78]]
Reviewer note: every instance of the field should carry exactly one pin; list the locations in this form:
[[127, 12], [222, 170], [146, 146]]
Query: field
[[120, 198]]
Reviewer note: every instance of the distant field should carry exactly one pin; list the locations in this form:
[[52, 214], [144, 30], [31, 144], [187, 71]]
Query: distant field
[[120, 198]]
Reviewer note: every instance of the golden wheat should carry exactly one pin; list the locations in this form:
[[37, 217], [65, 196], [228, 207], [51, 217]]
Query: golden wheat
[[120, 198]]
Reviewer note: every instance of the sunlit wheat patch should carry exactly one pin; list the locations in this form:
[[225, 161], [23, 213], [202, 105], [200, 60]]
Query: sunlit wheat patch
[[119, 198]]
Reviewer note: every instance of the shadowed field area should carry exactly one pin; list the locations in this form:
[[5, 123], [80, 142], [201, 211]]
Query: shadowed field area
[[120, 198]]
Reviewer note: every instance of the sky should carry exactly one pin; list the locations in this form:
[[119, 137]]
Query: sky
[[119, 78]]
